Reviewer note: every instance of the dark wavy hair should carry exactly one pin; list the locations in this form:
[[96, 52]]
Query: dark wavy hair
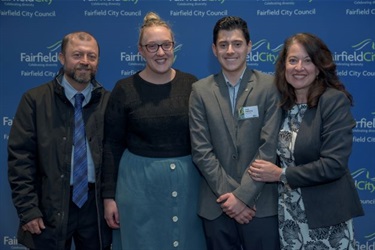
[[231, 23], [322, 58]]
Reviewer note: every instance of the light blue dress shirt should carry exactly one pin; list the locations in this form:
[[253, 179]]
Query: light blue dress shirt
[[233, 91], [70, 92]]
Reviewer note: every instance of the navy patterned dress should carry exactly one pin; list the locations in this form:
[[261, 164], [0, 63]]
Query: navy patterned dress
[[293, 228]]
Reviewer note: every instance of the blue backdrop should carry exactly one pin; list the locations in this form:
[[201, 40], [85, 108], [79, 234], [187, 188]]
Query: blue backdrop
[[31, 31]]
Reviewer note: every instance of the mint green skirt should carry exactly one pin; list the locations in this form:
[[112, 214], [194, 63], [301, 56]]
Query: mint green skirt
[[157, 200]]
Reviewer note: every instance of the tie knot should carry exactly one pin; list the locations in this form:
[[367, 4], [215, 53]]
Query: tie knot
[[79, 99]]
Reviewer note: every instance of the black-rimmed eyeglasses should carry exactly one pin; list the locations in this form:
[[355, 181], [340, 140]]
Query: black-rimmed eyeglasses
[[153, 47]]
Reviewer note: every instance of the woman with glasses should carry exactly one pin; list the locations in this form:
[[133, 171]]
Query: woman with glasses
[[150, 182]]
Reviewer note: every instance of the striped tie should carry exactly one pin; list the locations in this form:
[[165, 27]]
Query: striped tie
[[80, 182]]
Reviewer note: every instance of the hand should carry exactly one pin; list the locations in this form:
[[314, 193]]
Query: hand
[[34, 226], [111, 214], [264, 171], [231, 205], [246, 215]]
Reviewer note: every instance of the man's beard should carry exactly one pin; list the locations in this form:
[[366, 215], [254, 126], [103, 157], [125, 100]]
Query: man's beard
[[82, 78]]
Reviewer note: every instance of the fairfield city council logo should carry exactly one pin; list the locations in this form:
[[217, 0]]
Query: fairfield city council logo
[[38, 62], [360, 53], [262, 52]]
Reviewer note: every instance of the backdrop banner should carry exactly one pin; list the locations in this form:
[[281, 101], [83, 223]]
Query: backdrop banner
[[31, 33]]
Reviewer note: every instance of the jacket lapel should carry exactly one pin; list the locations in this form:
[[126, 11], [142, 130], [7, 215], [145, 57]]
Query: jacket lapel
[[245, 89], [222, 96]]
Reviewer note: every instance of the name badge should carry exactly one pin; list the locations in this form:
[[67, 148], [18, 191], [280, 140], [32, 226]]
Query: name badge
[[248, 112]]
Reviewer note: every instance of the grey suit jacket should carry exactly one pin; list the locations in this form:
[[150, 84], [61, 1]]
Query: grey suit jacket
[[322, 149], [223, 144]]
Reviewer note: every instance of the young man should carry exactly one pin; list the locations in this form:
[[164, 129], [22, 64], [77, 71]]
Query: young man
[[234, 119], [42, 154]]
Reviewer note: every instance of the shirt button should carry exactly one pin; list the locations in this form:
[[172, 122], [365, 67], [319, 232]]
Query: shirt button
[[175, 243], [175, 218], [172, 166], [174, 194]]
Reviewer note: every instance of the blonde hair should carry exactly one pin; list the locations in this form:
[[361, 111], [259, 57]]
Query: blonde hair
[[152, 19]]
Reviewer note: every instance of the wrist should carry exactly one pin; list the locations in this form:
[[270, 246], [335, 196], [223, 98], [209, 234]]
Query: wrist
[[282, 178]]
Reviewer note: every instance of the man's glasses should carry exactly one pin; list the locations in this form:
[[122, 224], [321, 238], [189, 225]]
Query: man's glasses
[[153, 47]]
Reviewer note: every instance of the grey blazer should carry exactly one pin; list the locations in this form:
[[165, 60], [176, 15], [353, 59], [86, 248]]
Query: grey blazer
[[223, 144], [322, 149]]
